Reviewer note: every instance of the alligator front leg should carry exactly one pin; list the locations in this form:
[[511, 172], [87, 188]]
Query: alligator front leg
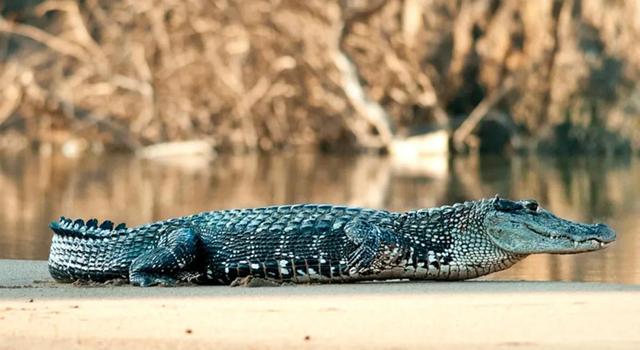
[[376, 249], [161, 266], [366, 237]]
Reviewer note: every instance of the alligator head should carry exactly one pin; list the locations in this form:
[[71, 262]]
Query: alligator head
[[523, 227]]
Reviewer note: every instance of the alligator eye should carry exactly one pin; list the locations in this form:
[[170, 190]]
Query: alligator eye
[[506, 205], [532, 205]]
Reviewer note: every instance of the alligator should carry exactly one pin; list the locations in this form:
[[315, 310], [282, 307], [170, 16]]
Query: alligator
[[318, 243]]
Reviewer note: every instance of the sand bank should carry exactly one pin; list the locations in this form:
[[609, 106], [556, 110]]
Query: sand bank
[[37, 313]]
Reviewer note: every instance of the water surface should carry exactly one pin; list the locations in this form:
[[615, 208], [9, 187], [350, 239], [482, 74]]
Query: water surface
[[36, 189]]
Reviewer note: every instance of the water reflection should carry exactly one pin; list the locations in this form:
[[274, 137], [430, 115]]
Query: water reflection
[[36, 189]]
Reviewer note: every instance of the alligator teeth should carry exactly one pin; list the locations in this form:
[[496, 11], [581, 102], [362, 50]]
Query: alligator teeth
[[575, 244], [601, 244]]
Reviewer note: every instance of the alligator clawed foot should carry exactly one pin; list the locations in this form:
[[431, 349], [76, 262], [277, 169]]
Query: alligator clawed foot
[[148, 280], [253, 282], [188, 277]]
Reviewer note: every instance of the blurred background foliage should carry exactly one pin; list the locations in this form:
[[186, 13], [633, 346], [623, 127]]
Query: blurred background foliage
[[349, 75]]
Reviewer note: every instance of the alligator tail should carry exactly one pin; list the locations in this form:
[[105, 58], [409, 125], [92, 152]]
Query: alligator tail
[[88, 251]]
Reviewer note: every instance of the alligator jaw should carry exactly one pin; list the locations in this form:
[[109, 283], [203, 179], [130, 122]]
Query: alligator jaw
[[601, 237], [521, 230]]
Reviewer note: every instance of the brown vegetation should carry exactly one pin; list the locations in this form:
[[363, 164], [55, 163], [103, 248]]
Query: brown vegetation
[[332, 75]]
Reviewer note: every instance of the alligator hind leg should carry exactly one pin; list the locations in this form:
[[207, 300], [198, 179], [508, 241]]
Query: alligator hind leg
[[167, 261]]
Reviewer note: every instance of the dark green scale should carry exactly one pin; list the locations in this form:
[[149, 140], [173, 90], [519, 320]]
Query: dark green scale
[[288, 243], [300, 243]]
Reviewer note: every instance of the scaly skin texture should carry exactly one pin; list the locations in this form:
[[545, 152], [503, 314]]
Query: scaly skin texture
[[318, 243]]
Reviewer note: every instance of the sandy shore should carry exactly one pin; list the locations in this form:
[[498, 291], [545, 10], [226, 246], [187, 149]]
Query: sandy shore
[[37, 313]]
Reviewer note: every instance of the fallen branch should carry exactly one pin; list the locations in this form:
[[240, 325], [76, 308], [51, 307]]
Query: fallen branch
[[51, 41], [177, 149], [462, 133]]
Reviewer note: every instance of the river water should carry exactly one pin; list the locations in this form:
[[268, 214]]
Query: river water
[[35, 189]]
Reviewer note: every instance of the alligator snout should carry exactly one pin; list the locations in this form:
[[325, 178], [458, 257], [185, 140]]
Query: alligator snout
[[603, 233]]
